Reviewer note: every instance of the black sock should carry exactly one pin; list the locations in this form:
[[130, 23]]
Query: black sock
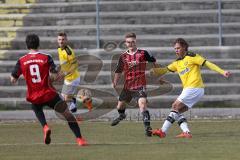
[[121, 111], [75, 128], [146, 118], [74, 100], [38, 110]]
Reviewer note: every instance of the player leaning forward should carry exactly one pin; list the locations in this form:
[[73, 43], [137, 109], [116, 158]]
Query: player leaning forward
[[35, 67], [188, 66], [133, 64]]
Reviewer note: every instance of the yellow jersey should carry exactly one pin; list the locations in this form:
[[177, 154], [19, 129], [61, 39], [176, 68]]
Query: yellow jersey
[[68, 62], [189, 70]]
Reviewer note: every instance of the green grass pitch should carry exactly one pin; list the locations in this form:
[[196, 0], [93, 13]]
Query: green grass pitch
[[212, 140]]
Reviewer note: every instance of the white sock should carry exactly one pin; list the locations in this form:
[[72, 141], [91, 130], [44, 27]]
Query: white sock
[[166, 125], [184, 127], [168, 122], [72, 106]]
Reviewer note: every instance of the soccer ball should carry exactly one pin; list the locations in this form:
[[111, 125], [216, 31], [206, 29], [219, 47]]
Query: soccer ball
[[85, 96]]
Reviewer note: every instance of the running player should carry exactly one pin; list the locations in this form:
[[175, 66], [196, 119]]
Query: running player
[[69, 67], [188, 66], [35, 67], [133, 64]]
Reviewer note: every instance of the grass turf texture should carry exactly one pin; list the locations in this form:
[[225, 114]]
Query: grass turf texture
[[212, 140]]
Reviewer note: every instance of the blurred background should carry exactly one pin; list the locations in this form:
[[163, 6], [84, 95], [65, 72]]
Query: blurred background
[[96, 30]]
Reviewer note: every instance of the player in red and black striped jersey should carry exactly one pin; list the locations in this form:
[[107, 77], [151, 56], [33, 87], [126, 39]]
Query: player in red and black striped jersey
[[133, 64], [35, 67]]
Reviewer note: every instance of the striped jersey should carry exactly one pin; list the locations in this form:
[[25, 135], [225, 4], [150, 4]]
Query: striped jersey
[[134, 66]]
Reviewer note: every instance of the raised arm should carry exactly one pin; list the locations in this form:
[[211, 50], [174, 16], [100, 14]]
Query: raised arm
[[159, 71], [215, 68]]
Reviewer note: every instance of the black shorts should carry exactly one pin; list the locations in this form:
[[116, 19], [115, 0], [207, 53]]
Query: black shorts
[[128, 95], [57, 99]]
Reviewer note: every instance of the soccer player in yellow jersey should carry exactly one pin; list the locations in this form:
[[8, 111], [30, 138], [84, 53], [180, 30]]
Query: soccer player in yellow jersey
[[188, 66], [69, 66]]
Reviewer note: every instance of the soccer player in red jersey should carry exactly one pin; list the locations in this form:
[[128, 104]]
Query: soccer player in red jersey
[[35, 67], [133, 64]]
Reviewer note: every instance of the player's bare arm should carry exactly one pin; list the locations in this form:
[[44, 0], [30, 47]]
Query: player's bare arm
[[13, 80], [156, 65], [116, 79], [158, 71]]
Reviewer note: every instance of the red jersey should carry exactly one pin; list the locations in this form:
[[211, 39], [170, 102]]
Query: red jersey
[[134, 66], [35, 68]]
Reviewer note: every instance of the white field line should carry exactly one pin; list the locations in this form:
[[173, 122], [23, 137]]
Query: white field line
[[33, 144], [89, 144], [9, 123], [94, 144]]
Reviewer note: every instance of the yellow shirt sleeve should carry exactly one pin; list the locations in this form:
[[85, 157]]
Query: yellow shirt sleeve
[[172, 67], [198, 60], [213, 67], [159, 71]]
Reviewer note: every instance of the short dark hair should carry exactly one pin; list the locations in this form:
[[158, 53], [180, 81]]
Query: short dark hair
[[130, 35], [182, 42], [62, 34], [32, 41]]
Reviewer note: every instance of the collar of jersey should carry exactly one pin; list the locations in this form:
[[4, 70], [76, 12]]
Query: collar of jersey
[[187, 54], [133, 52], [34, 52]]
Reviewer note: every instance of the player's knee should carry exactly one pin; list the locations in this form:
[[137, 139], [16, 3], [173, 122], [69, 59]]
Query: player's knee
[[175, 107], [64, 111], [142, 103], [68, 98], [61, 107], [179, 107]]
